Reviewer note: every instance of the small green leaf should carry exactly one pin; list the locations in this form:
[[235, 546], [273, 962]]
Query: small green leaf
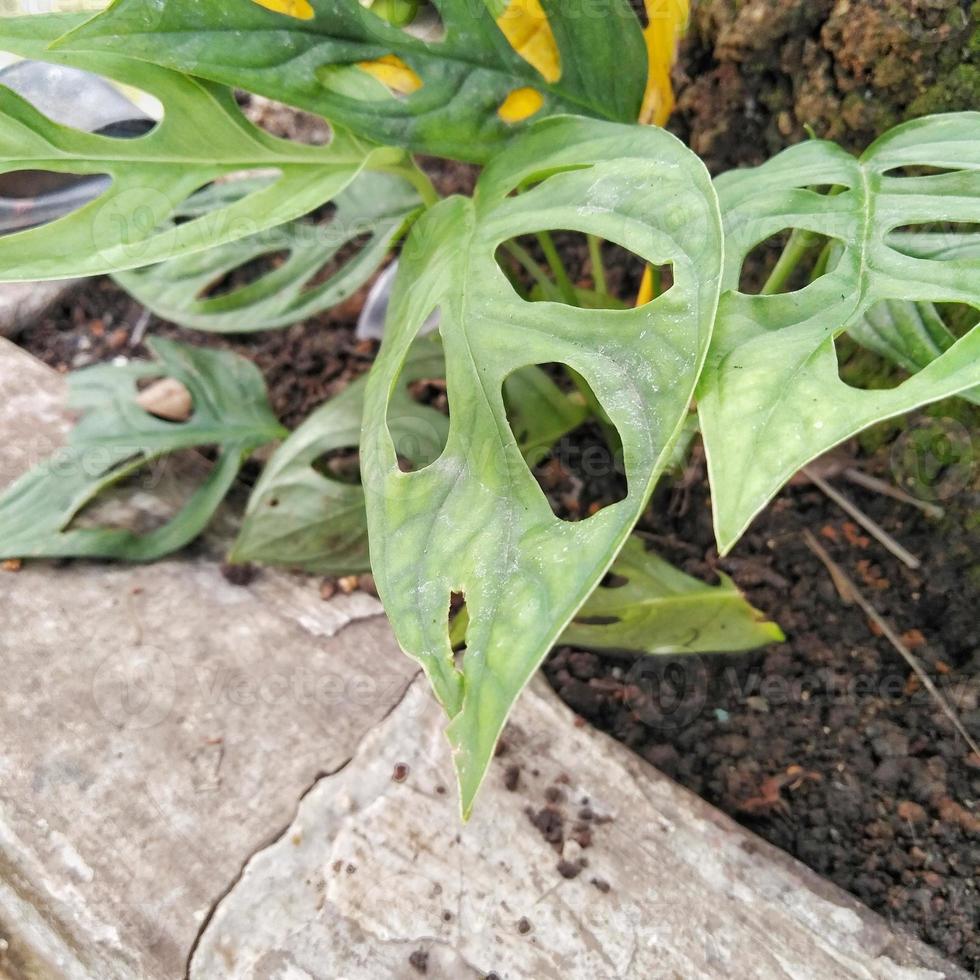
[[659, 609], [465, 76], [202, 137], [301, 517], [374, 205], [771, 398], [476, 521], [116, 437]]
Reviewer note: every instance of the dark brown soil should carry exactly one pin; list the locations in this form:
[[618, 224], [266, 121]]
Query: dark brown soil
[[755, 73], [827, 745]]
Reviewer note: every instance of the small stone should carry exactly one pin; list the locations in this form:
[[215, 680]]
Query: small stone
[[328, 589], [167, 399], [568, 869], [347, 584], [602, 885], [523, 926], [12, 565], [419, 961], [366, 584], [912, 812], [512, 778], [400, 772]]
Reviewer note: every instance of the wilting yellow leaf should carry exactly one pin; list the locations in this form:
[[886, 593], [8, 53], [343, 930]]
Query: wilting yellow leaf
[[520, 105], [390, 70], [525, 25], [667, 21], [300, 9]]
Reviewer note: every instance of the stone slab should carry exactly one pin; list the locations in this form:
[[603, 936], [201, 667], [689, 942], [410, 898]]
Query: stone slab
[[376, 869]]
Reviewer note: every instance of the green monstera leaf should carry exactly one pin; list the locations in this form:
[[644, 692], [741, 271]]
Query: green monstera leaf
[[202, 137], [375, 207], [654, 607], [771, 398], [454, 94], [475, 521], [116, 438], [303, 516]]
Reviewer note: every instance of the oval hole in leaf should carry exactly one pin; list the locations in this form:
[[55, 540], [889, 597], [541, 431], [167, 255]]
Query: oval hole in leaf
[[393, 73], [147, 497], [31, 198], [346, 254], [342, 464], [613, 581], [83, 100], [942, 238], [761, 261], [597, 620], [244, 275], [284, 122], [593, 274], [861, 368], [920, 171], [416, 419], [417, 18], [580, 469]]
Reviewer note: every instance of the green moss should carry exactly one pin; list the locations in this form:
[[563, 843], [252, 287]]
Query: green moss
[[959, 90]]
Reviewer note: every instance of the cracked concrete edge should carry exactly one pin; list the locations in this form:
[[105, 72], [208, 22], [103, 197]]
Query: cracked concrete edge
[[373, 869]]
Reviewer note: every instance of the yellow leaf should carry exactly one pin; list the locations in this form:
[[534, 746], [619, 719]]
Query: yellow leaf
[[520, 104], [300, 9], [666, 22], [390, 70], [525, 25], [646, 287]]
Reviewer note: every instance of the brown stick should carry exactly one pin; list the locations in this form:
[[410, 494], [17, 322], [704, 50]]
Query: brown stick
[[872, 527]]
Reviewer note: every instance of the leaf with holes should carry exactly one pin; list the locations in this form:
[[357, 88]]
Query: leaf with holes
[[371, 212], [475, 520], [202, 137], [302, 515], [654, 607], [913, 335], [771, 398], [462, 95], [116, 438]]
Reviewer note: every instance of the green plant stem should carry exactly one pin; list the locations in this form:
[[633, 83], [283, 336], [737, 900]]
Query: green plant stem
[[416, 176], [598, 269], [527, 261], [800, 244], [823, 261], [656, 280], [557, 267]]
